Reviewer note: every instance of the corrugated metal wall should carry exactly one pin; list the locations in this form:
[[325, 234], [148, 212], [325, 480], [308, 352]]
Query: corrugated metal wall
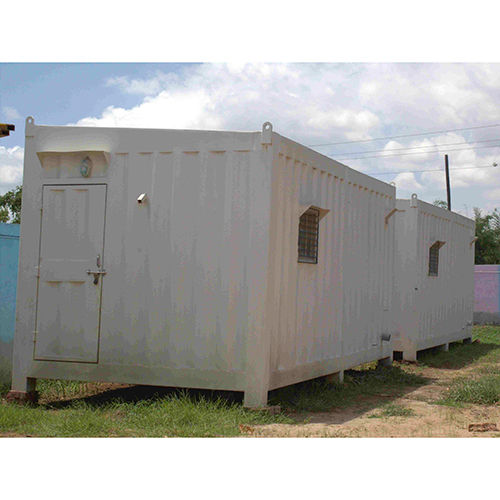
[[442, 305], [185, 271], [183, 277], [335, 309], [446, 301]]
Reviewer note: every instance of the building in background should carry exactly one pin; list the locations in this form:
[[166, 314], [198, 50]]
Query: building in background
[[487, 295], [5, 129], [9, 252]]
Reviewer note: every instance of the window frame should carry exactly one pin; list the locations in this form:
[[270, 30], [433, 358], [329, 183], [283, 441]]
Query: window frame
[[433, 263], [308, 236]]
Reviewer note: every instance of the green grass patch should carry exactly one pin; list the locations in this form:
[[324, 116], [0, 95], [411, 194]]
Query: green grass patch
[[180, 414], [484, 391], [486, 349], [359, 385], [393, 410]]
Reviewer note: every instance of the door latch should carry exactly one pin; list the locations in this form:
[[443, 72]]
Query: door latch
[[98, 272], [96, 275]]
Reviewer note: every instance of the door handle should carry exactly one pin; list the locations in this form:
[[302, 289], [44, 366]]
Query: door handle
[[96, 275]]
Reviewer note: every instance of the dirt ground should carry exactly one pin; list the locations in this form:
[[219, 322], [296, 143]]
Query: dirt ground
[[428, 419]]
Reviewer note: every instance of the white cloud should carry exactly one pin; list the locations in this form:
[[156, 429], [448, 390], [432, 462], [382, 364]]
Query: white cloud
[[304, 101], [327, 103], [11, 167], [407, 182], [10, 113]]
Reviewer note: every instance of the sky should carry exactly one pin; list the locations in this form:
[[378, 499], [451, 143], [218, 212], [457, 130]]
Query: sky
[[314, 104]]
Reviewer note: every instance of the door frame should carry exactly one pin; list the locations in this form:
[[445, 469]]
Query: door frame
[[67, 182]]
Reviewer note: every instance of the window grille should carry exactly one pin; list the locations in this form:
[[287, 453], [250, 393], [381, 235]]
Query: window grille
[[434, 259], [308, 236]]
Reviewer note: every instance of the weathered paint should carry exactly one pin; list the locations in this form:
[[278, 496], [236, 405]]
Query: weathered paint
[[432, 310], [487, 294], [202, 285], [9, 254]]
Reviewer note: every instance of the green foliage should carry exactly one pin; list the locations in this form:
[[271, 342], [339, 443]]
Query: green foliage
[[486, 350], [10, 206], [440, 204], [179, 414], [488, 237], [358, 387], [483, 391]]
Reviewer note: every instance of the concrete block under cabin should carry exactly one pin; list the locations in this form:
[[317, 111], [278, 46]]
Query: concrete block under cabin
[[487, 295], [9, 254], [238, 261], [434, 277]]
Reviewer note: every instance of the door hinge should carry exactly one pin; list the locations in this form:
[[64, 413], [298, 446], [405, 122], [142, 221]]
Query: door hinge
[[35, 332]]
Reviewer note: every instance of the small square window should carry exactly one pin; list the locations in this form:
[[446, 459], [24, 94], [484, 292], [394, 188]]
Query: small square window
[[308, 236], [434, 258]]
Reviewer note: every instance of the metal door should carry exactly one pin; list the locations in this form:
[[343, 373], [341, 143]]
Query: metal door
[[70, 273]]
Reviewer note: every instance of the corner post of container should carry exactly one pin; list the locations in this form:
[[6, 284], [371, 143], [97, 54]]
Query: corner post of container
[[258, 343], [23, 388]]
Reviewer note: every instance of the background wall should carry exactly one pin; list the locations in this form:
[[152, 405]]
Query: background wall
[[9, 252], [487, 294]]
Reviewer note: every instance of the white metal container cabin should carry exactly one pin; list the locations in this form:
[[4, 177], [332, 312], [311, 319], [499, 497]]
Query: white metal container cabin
[[434, 277], [170, 257]]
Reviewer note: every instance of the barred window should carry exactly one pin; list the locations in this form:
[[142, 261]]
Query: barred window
[[434, 258], [308, 236]]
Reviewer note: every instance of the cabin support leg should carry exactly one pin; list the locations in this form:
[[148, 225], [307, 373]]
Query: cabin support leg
[[23, 391], [444, 347], [335, 378], [410, 355], [255, 398], [384, 362]]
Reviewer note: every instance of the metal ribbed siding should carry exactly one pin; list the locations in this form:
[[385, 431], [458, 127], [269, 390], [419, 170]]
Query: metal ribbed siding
[[446, 301], [185, 272], [330, 315], [185, 254], [202, 285], [433, 310]]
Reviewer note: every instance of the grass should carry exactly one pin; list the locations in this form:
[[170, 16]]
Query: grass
[[359, 387], [485, 349], [179, 414], [482, 391], [393, 410], [78, 409]]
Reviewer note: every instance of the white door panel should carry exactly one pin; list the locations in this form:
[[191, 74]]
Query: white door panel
[[72, 243]]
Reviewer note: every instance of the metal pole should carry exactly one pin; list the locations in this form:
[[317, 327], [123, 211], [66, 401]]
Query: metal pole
[[448, 194]]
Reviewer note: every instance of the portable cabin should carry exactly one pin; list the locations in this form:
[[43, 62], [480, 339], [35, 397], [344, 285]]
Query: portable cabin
[[434, 277], [236, 261]]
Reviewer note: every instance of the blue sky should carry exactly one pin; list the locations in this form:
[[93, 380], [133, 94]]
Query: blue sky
[[64, 93], [311, 103]]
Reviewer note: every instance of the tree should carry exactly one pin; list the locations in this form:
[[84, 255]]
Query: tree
[[10, 206], [487, 233], [488, 237], [440, 204]]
